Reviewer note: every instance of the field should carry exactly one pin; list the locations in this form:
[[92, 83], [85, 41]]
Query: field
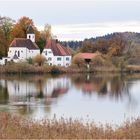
[[17, 127]]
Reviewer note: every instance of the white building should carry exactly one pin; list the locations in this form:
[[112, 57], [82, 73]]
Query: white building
[[56, 54], [21, 48]]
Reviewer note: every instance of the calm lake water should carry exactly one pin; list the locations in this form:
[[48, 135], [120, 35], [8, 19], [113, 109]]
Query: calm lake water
[[105, 98]]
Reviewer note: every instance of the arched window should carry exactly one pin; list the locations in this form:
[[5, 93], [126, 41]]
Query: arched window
[[29, 36], [18, 53]]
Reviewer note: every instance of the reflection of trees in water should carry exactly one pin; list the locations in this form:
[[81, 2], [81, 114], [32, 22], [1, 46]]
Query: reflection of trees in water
[[116, 87], [4, 96]]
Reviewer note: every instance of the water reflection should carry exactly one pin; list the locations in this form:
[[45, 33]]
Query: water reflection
[[44, 95], [114, 86]]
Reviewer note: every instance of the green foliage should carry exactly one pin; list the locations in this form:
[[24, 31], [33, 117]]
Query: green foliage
[[41, 44], [30, 61]]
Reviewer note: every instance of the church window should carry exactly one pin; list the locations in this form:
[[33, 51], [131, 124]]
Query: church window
[[18, 53], [49, 59]]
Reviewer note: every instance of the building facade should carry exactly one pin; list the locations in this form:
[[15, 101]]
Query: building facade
[[56, 54], [22, 49]]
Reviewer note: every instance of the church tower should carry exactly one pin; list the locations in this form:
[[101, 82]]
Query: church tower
[[30, 33]]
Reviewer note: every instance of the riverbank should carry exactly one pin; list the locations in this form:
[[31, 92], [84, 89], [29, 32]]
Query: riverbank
[[16, 127], [25, 68]]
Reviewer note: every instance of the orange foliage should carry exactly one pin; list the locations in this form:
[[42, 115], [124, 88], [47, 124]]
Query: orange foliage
[[20, 28]]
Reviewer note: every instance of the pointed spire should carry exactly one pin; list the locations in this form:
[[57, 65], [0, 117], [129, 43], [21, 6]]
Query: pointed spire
[[30, 30]]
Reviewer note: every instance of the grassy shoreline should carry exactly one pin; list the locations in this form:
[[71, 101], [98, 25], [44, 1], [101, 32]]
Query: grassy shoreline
[[25, 68], [17, 127]]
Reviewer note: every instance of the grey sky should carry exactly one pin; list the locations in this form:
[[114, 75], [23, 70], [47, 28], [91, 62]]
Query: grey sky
[[63, 12]]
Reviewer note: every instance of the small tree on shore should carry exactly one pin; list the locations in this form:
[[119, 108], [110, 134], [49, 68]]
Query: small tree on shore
[[39, 59]]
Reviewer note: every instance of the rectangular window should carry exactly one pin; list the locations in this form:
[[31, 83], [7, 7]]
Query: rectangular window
[[49, 59], [58, 58], [46, 53], [67, 58]]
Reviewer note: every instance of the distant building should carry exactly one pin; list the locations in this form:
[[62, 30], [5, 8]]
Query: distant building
[[56, 54], [21, 48]]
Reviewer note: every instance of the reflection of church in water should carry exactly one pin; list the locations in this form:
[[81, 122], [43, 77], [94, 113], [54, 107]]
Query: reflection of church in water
[[28, 90]]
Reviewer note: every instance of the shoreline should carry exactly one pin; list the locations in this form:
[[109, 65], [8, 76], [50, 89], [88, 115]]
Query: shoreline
[[25, 68]]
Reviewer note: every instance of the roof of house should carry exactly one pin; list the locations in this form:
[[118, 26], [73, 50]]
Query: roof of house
[[23, 42], [57, 49], [30, 30], [86, 55]]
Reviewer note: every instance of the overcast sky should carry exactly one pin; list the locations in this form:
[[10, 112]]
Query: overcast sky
[[77, 19]]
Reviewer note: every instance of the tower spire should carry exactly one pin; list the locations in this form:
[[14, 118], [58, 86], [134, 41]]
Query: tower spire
[[30, 33]]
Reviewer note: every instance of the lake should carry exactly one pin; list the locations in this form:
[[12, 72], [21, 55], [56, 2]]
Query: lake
[[104, 98]]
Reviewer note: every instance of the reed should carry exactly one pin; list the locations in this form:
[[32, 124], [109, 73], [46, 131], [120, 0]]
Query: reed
[[16, 127]]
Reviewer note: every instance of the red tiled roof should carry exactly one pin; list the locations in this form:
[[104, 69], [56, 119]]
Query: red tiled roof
[[86, 55], [57, 49], [23, 42]]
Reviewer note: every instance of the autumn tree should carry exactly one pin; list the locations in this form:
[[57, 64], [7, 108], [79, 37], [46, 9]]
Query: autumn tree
[[6, 25], [39, 59], [20, 28], [3, 44], [45, 35]]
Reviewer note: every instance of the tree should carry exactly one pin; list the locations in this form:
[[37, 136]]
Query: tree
[[45, 35], [20, 28], [39, 59], [6, 25], [3, 44], [78, 61]]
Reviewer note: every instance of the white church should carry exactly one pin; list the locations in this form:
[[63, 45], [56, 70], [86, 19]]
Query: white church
[[22, 49]]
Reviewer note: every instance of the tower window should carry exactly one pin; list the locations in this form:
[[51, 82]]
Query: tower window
[[29, 36]]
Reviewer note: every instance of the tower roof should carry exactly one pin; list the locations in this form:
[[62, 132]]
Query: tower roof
[[30, 30]]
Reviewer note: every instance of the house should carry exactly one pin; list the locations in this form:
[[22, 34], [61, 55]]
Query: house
[[87, 57], [23, 48], [56, 54]]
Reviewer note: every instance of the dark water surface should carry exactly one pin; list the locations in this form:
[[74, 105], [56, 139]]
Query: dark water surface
[[105, 98]]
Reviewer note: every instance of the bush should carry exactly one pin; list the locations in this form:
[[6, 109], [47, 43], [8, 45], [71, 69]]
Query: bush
[[39, 59]]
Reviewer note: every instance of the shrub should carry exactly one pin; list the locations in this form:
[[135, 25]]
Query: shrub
[[39, 59]]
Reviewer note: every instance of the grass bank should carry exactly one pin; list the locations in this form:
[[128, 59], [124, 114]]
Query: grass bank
[[16, 127], [25, 68]]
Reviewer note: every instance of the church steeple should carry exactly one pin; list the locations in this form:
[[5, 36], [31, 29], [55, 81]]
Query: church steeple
[[30, 33]]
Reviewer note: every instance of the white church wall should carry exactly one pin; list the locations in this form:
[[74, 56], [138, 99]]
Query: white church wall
[[31, 37], [32, 53], [21, 52]]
